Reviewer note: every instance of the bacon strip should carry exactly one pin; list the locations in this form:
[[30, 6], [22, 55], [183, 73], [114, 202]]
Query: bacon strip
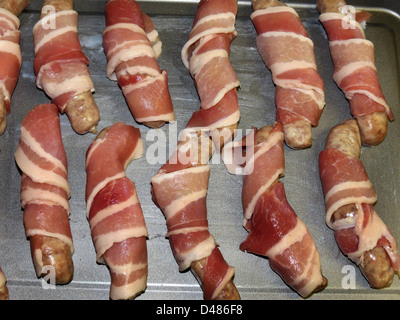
[[355, 72], [350, 198], [114, 212], [61, 67], [275, 231], [3, 287], [132, 61], [206, 55], [10, 55], [288, 52], [44, 185]]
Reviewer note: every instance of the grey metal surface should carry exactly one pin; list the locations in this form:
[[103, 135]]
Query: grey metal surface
[[254, 278]]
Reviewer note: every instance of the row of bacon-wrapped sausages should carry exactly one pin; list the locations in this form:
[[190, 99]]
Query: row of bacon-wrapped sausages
[[179, 188]]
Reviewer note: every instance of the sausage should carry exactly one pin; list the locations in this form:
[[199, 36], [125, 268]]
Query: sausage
[[330, 5], [3, 287], [346, 138], [229, 292], [377, 268], [3, 292], [81, 110], [373, 126], [154, 124], [54, 253], [14, 6], [298, 135], [59, 5], [262, 4], [375, 264], [83, 113]]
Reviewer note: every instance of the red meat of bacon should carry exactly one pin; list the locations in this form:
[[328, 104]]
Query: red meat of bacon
[[60, 65], [44, 187], [115, 215], [275, 231], [10, 54], [288, 52], [354, 61], [345, 181], [206, 55], [179, 189], [132, 61]]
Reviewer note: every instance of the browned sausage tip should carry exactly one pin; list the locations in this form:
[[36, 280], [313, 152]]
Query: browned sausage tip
[[49, 251]]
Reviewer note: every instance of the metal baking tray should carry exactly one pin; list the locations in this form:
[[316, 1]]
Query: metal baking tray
[[254, 278]]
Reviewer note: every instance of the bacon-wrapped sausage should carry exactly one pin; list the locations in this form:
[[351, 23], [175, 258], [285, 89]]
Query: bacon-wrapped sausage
[[275, 231], [355, 71], [113, 209], [206, 55], [179, 189], [349, 199], [45, 192], [10, 54], [288, 52], [62, 68], [3, 286], [130, 43], [180, 186]]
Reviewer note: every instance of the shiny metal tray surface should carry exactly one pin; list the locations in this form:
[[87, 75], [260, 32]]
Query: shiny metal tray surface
[[254, 278]]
